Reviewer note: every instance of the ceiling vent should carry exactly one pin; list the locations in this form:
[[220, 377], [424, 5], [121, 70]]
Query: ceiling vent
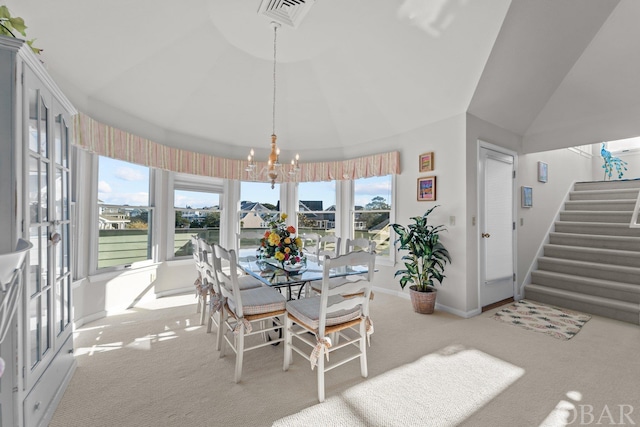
[[285, 12]]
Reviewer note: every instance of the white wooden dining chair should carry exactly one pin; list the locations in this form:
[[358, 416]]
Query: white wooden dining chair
[[214, 276], [360, 244], [310, 245], [329, 245], [201, 288], [343, 310], [256, 311]]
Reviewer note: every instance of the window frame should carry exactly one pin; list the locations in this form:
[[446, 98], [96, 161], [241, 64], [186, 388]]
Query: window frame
[[151, 223], [195, 183]]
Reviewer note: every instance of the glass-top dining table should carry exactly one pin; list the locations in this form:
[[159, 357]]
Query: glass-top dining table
[[272, 273]]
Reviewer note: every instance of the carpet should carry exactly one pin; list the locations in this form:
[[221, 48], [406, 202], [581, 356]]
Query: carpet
[[558, 322], [441, 389]]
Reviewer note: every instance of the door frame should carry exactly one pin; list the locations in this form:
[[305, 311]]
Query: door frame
[[479, 192]]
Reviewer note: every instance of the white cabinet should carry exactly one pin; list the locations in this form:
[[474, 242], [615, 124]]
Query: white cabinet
[[35, 204]]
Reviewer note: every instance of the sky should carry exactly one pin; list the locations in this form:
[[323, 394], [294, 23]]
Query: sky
[[122, 183]]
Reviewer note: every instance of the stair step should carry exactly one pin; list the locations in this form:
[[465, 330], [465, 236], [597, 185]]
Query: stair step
[[596, 216], [624, 243], [603, 228], [621, 194], [607, 307], [616, 273], [607, 185], [587, 285], [600, 205], [593, 255]]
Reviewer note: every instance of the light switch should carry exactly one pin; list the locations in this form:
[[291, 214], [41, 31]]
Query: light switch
[[452, 220], [521, 222]]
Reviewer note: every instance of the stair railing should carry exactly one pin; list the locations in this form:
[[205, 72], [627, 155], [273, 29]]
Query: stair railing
[[634, 216]]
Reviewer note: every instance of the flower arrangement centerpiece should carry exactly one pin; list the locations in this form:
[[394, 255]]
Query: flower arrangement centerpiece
[[281, 243]]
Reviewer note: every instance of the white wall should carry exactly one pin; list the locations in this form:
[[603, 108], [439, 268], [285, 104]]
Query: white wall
[[446, 139], [565, 167]]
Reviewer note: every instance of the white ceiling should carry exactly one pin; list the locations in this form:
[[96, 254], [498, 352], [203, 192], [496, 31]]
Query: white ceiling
[[198, 73]]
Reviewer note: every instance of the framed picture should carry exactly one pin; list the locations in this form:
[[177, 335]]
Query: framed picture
[[426, 162], [527, 197], [427, 189], [543, 171]]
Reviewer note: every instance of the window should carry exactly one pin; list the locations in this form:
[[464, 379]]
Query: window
[[258, 203], [196, 213], [317, 208], [124, 213], [623, 145], [372, 210]]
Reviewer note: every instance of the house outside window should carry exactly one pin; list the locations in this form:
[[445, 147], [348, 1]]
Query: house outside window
[[258, 204], [317, 208]]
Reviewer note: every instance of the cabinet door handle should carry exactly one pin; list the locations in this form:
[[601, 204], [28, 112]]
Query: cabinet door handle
[[486, 235]]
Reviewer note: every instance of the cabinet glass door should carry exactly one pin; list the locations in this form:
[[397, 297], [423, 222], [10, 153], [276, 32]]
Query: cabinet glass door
[[48, 314]]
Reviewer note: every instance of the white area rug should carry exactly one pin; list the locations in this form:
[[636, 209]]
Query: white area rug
[[440, 389]]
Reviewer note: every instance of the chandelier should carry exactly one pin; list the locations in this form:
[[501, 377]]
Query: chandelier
[[274, 168]]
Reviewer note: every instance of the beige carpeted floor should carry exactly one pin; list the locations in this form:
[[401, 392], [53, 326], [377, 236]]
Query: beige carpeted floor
[[155, 366]]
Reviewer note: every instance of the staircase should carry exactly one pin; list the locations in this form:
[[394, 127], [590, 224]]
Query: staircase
[[592, 261]]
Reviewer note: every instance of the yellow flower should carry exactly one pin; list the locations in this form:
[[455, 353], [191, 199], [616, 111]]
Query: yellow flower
[[287, 240], [284, 216], [298, 242], [279, 256], [274, 239], [287, 249]]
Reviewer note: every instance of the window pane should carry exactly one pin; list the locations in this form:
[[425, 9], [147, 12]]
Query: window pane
[[317, 207], [258, 204], [131, 243], [372, 210], [124, 216], [122, 183], [196, 213]]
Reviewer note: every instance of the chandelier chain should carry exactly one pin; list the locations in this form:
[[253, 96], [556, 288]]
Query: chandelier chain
[[275, 33]]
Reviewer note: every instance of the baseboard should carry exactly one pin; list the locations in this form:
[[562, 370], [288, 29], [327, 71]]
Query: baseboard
[[442, 307], [172, 292], [78, 323]]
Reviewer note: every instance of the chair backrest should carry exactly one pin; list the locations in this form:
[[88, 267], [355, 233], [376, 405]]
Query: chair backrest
[[208, 270], [253, 236], [195, 245], [360, 244], [310, 243], [329, 245], [228, 281], [355, 288]]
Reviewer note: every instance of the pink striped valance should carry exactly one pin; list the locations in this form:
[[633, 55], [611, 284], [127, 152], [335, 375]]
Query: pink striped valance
[[118, 144]]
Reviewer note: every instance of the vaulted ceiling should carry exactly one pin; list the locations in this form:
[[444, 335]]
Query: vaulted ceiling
[[199, 73]]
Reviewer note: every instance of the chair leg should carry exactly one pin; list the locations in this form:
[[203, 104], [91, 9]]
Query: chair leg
[[363, 349], [198, 304], [239, 353], [203, 310], [209, 322], [220, 336], [320, 369], [288, 324], [221, 331]]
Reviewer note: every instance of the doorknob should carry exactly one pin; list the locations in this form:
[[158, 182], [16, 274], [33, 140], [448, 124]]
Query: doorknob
[[485, 235]]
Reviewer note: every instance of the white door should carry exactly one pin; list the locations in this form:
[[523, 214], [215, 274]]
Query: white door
[[496, 226]]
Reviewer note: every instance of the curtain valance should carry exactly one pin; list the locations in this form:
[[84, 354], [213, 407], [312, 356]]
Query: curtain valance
[[111, 142]]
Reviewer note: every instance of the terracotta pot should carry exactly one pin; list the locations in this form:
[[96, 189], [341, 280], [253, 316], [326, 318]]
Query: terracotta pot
[[423, 302]]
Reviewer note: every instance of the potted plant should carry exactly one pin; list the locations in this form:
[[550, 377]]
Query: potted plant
[[425, 261]]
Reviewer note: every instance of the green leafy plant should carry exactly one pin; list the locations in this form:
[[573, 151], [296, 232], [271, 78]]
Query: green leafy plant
[[10, 24], [427, 257]]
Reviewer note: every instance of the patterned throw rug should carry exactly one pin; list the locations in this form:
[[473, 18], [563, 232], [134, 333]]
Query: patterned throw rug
[[557, 322]]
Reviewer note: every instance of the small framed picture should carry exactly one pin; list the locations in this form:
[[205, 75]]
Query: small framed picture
[[427, 189], [426, 162], [527, 197], [543, 171]]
